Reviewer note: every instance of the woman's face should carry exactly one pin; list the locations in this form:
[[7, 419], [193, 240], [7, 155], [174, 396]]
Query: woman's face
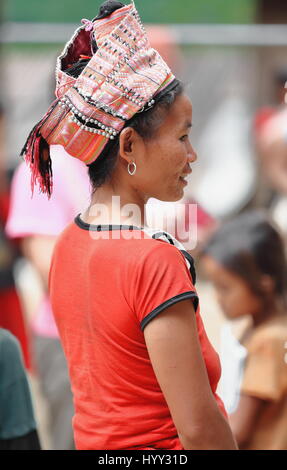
[[233, 293], [166, 158]]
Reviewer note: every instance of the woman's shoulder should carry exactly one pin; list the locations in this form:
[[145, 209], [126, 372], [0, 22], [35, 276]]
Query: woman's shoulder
[[269, 335], [163, 250], [148, 248], [161, 242]]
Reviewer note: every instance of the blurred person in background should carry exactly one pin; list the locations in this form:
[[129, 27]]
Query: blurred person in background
[[281, 86], [11, 311], [271, 146], [270, 139], [36, 222], [245, 261], [279, 97], [18, 430]]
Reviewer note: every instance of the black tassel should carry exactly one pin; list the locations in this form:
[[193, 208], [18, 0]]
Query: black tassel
[[37, 155]]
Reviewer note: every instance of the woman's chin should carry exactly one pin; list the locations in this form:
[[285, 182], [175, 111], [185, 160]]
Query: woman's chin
[[171, 195], [179, 192]]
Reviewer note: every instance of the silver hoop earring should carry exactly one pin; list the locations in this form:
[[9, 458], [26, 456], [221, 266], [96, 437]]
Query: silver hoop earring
[[134, 169]]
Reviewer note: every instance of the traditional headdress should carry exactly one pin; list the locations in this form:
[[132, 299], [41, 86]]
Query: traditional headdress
[[121, 78]]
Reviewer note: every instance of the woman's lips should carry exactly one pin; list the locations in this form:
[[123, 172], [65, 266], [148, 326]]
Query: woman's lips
[[183, 180]]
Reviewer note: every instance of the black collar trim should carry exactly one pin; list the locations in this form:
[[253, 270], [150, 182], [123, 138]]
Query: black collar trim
[[98, 228]]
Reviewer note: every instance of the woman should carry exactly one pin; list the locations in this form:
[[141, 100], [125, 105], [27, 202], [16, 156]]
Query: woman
[[142, 370]]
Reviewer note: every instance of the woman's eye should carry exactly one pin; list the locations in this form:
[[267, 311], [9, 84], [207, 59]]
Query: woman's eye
[[183, 137]]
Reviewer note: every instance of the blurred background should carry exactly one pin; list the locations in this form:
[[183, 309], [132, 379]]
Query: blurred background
[[232, 57]]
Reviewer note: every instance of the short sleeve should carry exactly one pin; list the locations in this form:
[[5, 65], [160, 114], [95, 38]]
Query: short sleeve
[[162, 280], [265, 372]]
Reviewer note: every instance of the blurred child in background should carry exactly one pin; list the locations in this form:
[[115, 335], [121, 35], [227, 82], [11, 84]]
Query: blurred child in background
[[244, 259]]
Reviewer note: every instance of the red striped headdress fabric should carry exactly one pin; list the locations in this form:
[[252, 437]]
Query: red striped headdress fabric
[[121, 79]]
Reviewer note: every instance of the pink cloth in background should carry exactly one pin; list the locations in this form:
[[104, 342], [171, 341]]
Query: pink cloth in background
[[43, 323], [39, 216]]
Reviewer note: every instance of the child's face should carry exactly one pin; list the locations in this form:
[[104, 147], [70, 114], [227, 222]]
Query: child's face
[[233, 293]]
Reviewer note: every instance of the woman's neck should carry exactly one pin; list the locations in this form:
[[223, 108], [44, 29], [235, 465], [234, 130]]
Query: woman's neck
[[111, 205]]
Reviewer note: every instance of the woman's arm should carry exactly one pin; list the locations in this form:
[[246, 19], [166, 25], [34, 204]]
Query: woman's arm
[[244, 419], [174, 349], [38, 249]]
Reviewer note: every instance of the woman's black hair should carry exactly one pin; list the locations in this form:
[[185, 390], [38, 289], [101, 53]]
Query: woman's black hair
[[250, 245], [144, 123]]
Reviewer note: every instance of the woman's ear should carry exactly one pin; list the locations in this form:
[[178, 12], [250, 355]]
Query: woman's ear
[[129, 141]]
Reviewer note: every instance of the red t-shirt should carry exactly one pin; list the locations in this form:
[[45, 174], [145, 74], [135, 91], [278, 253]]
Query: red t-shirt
[[106, 283]]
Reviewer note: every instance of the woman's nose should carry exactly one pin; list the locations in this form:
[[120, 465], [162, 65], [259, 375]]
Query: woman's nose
[[192, 155]]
